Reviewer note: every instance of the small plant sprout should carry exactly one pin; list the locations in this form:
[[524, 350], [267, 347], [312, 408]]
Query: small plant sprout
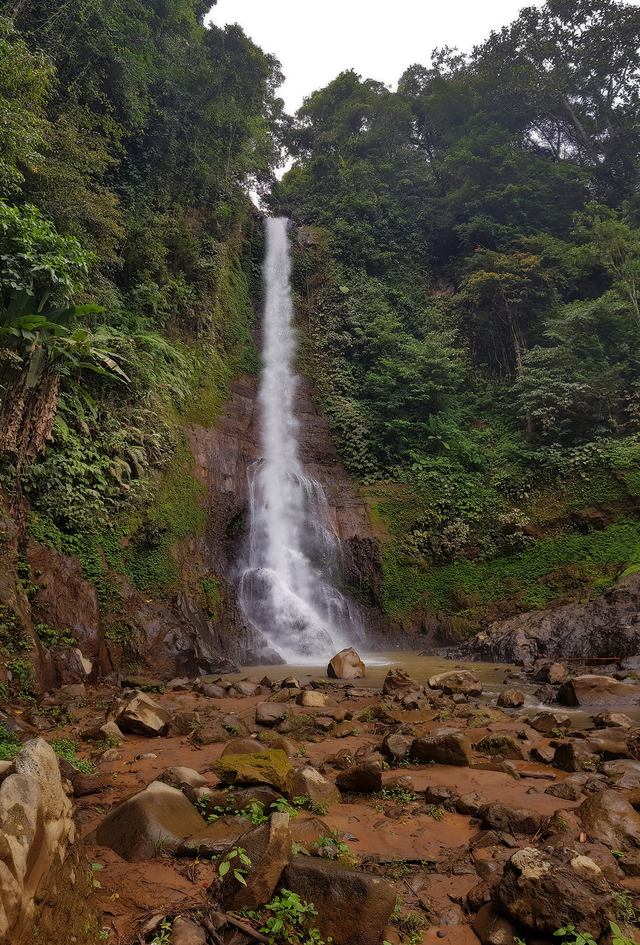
[[238, 870]]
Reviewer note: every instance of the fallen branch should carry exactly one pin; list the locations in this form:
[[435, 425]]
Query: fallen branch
[[247, 928]]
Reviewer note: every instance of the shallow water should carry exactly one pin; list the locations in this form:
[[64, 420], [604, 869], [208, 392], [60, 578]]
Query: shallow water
[[495, 677]]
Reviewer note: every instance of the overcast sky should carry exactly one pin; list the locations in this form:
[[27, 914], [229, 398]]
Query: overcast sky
[[317, 40]]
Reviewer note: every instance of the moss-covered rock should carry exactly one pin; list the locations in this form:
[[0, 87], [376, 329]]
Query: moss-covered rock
[[263, 767]]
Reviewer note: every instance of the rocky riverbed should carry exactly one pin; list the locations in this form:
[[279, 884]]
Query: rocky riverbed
[[406, 813]]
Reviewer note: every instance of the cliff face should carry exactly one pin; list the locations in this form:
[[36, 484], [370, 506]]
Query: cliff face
[[223, 454]]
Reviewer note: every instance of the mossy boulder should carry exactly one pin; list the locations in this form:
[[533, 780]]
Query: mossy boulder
[[263, 767]]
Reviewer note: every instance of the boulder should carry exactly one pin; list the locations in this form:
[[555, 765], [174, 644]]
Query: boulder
[[269, 850], [270, 713], [178, 775], [160, 817], [187, 932], [546, 722], [265, 767], [107, 732], [353, 907], [395, 747], [574, 755], [598, 690], [183, 723], [215, 839], [138, 713], [86, 784], [501, 743], [492, 927], [364, 777], [609, 818], [398, 682], [309, 782], [548, 672], [513, 820], [244, 746], [313, 699], [555, 887], [308, 832], [211, 733], [346, 665], [448, 748], [471, 804], [457, 681], [511, 699], [211, 691], [565, 791], [613, 720]]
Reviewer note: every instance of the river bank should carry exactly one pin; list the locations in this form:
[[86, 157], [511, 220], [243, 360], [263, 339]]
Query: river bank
[[431, 793]]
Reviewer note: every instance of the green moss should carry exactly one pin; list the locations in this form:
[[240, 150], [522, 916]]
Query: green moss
[[13, 636], [212, 599], [175, 513], [584, 562]]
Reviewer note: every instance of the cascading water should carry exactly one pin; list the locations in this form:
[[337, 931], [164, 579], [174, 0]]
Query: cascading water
[[292, 555]]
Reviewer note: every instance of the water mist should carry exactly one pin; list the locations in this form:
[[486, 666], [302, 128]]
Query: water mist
[[292, 557]]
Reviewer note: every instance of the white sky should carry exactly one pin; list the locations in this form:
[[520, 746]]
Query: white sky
[[315, 40]]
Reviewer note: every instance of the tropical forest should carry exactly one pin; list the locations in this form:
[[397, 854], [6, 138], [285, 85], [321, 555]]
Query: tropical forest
[[456, 393]]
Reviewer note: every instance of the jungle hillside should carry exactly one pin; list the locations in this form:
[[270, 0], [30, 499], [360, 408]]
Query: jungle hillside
[[466, 270]]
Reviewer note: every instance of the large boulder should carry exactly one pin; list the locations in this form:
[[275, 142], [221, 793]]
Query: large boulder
[[268, 848], [598, 690], [353, 907], [346, 665], [547, 722], [457, 681], [138, 713], [35, 831], [551, 888], [160, 817], [609, 818], [448, 748], [264, 767]]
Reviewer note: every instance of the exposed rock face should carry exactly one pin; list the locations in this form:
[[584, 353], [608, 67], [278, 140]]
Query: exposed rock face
[[223, 455], [603, 627], [547, 889], [346, 665], [353, 907]]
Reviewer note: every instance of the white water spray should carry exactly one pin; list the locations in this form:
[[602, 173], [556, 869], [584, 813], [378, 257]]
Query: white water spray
[[293, 556]]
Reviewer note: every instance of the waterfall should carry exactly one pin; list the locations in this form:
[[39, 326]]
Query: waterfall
[[292, 556]]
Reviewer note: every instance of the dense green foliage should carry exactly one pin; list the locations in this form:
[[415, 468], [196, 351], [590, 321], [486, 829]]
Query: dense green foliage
[[467, 285], [468, 276], [130, 136]]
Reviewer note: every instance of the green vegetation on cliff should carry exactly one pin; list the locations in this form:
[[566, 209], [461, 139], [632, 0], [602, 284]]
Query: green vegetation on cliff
[[467, 275], [466, 272], [130, 136]]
